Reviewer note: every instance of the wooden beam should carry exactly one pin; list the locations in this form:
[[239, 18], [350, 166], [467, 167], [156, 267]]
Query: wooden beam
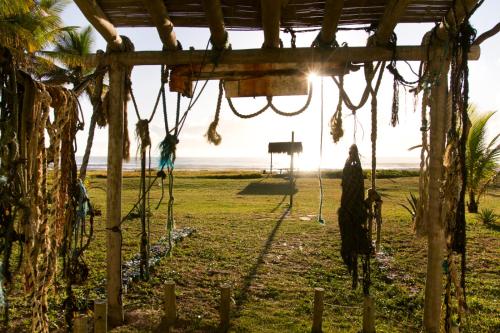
[[393, 12], [95, 15], [159, 15], [454, 17], [215, 18], [333, 9], [302, 57], [271, 14]]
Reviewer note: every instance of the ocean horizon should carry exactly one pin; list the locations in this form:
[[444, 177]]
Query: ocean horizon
[[243, 163]]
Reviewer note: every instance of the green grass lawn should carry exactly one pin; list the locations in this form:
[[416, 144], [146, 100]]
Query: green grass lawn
[[274, 261]]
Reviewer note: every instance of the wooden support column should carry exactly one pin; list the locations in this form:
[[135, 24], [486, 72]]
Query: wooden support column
[[159, 15], [333, 9], [96, 16], [215, 18], [439, 124], [439, 116], [271, 14], [114, 189]]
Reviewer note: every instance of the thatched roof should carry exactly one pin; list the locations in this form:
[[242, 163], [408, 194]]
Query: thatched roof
[[246, 14], [284, 147]]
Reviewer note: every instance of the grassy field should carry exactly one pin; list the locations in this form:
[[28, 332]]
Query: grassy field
[[274, 260]]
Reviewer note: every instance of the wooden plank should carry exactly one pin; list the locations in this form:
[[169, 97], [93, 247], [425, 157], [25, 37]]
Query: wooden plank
[[393, 12], [159, 16], [271, 14], [267, 86], [215, 18], [333, 10], [113, 196], [305, 58], [95, 15]]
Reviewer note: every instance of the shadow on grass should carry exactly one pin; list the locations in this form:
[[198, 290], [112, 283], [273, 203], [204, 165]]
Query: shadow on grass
[[262, 188], [243, 295], [493, 226]]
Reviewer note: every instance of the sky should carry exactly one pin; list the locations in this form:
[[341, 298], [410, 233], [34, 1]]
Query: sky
[[250, 137]]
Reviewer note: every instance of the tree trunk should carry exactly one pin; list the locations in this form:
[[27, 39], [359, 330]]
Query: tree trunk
[[472, 205], [439, 124], [88, 148]]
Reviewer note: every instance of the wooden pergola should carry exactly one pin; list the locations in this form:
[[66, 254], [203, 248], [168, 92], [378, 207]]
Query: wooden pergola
[[270, 16]]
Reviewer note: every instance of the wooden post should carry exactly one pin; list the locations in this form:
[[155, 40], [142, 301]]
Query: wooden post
[[225, 307], [318, 310], [113, 202], [439, 118], [170, 306], [271, 169], [291, 171], [368, 315], [144, 267], [81, 324], [100, 316]]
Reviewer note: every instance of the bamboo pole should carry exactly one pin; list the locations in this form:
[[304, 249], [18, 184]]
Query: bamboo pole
[[100, 316], [305, 57], [159, 16], [215, 18], [271, 14], [113, 202], [318, 310], [225, 307], [96, 16], [333, 10], [439, 114]]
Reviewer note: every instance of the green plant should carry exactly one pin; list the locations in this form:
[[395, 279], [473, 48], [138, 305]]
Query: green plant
[[481, 158], [487, 216], [411, 207]]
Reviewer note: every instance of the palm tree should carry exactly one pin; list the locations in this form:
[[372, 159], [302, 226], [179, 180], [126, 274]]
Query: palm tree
[[27, 26], [481, 157]]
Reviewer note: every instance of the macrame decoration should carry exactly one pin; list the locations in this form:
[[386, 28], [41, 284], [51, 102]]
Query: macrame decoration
[[455, 178], [353, 217]]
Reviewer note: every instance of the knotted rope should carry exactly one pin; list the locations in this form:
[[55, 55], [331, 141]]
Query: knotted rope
[[212, 135]]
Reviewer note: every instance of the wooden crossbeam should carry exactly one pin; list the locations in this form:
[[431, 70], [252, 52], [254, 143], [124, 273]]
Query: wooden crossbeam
[[96, 16], [333, 9], [271, 14], [215, 18], [393, 12], [302, 57], [159, 15]]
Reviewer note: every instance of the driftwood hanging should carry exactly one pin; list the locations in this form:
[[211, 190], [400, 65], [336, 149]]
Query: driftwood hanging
[[353, 215]]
